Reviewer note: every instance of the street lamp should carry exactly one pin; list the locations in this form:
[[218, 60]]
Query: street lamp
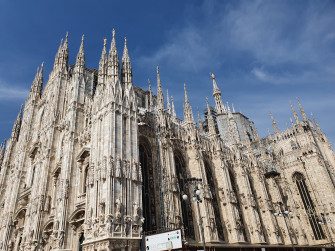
[[326, 222], [284, 213], [196, 198]]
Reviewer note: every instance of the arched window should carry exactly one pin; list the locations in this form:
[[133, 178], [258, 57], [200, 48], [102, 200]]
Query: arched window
[[85, 179], [238, 204], [309, 206], [81, 241], [148, 189], [186, 206], [293, 145], [216, 207]]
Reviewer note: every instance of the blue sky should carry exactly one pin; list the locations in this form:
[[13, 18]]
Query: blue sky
[[263, 53]]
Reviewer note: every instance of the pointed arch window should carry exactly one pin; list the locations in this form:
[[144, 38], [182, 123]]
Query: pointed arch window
[[186, 206], [148, 190], [309, 206], [216, 206]]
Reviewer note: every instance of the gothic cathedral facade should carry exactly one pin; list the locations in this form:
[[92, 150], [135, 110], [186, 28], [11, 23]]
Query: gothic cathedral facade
[[93, 163]]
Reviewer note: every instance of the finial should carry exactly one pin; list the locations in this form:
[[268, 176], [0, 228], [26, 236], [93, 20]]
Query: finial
[[113, 32], [149, 84], [302, 110], [274, 123], [157, 70], [125, 41], [82, 38], [186, 97], [232, 105], [212, 75]]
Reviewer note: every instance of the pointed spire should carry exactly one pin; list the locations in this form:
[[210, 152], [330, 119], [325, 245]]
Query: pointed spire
[[211, 125], [80, 62], [217, 96], [160, 96], [274, 124], [2, 151], [295, 115], [126, 71], [291, 122], [173, 109], [37, 84], [66, 42], [62, 56], [302, 111], [316, 125], [17, 125], [150, 97], [247, 141], [168, 102], [188, 114], [270, 136], [103, 60], [232, 105], [201, 128], [113, 61]]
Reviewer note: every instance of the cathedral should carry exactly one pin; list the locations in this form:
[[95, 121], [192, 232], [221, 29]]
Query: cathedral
[[95, 163]]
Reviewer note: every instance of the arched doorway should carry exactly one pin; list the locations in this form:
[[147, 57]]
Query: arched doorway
[[216, 207], [186, 206], [148, 188]]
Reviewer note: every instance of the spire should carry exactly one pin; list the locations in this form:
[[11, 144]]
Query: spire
[[270, 136], [217, 96], [168, 102], [232, 105], [126, 72], [103, 60], [150, 97], [113, 61], [201, 128], [302, 111], [17, 125], [211, 125], [296, 118], [2, 151], [173, 110], [316, 125], [188, 114], [80, 62], [37, 84], [274, 124], [62, 56], [160, 96]]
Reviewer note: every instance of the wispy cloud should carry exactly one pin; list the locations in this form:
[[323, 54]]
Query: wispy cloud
[[12, 93]]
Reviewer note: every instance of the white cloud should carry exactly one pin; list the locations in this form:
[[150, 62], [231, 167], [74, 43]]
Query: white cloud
[[7, 92]]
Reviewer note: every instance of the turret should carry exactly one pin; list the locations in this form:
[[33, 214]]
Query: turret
[[80, 62], [303, 114], [160, 96], [296, 118], [188, 114], [275, 128], [113, 62], [217, 96], [126, 72], [17, 125]]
